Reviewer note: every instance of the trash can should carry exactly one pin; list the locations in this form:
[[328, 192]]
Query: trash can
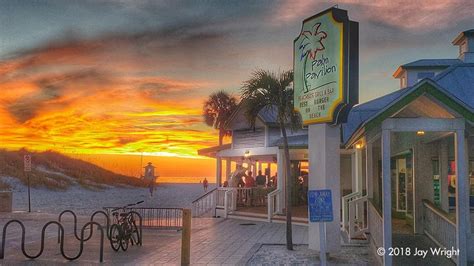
[[5, 201]]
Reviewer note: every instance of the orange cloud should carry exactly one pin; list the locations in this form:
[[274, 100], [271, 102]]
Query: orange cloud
[[83, 97]]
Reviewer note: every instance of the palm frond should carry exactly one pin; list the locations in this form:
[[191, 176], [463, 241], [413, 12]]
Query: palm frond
[[265, 89], [218, 108]]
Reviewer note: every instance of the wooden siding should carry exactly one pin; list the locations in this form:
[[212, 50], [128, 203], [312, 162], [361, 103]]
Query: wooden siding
[[273, 135], [248, 138]]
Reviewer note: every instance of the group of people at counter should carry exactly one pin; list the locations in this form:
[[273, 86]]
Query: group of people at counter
[[242, 177]]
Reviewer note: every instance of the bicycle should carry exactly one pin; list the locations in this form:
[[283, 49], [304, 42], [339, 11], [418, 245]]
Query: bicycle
[[124, 229]]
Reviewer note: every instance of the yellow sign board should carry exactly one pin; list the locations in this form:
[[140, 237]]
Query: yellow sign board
[[321, 67]]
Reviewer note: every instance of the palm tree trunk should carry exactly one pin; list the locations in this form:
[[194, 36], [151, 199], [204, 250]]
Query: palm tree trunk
[[289, 188]]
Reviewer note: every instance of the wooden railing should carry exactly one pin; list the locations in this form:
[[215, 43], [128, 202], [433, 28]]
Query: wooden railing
[[252, 197], [273, 204], [439, 226], [357, 212], [159, 218], [375, 223], [345, 207], [205, 204]]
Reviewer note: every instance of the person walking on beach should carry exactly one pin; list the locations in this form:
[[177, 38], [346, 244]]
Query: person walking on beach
[[205, 184], [150, 177]]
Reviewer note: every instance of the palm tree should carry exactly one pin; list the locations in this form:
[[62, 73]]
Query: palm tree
[[265, 90], [217, 110]]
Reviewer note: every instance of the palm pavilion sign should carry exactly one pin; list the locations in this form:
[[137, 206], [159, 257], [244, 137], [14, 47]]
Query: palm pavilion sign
[[326, 58]]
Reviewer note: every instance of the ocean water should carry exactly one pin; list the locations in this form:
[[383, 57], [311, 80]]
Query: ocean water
[[183, 179], [169, 169]]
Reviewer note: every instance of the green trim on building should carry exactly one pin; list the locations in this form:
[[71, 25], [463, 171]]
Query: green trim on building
[[422, 89]]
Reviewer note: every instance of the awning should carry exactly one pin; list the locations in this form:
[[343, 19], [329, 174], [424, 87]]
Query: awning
[[212, 151]]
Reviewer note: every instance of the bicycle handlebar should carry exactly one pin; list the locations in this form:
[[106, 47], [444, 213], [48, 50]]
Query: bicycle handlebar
[[128, 205]]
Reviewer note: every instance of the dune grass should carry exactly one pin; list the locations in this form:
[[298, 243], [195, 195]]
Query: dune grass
[[56, 171]]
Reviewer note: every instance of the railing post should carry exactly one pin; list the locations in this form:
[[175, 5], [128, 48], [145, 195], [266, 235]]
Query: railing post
[[344, 213], [351, 219], [226, 204], [214, 206], [269, 208], [234, 200], [186, 238]]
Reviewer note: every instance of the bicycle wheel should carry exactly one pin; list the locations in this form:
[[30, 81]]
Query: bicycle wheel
[[125, 236], [115, 237], [135, 237]]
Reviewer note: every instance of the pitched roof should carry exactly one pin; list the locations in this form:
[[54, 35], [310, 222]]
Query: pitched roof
[[432, 63], [461, 36], [296, 141], [362, 112], [211, 151], [426, 63], [267, 115], [457, 82]]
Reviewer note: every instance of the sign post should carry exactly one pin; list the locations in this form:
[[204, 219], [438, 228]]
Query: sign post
[[27, 168], [325, 64], [320, 211]]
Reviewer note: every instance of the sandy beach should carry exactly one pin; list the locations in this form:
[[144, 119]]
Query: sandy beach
[[84, 201]]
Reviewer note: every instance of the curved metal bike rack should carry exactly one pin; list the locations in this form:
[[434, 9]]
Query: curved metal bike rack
[[107, 220], [61, 230], [43, 233], [91, 227], [81, 247]]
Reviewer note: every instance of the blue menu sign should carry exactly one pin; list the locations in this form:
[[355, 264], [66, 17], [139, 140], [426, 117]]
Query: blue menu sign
[[320, 205]]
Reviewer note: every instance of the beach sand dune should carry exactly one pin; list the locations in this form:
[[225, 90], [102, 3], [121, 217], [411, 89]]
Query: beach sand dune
[[85, 202]]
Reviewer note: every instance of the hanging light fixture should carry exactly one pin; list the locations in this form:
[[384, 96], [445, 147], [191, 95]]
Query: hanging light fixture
[[247, 154]]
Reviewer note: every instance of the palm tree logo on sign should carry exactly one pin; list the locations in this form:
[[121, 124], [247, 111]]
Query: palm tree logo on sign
[[312, 42]]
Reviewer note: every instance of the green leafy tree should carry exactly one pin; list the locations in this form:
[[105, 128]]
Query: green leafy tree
[[217, 110], [268, 90]]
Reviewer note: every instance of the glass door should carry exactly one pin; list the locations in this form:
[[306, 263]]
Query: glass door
[[401, 182], [409, 185]]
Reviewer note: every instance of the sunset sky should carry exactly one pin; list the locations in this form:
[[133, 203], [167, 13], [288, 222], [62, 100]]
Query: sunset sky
[[126, 77]]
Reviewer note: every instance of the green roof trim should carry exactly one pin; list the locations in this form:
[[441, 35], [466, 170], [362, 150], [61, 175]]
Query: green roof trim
[[424, 88]]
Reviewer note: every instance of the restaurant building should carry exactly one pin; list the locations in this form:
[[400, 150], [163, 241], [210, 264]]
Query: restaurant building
[[406, 160]]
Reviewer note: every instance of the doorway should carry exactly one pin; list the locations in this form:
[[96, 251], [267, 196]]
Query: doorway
[[402, 192]]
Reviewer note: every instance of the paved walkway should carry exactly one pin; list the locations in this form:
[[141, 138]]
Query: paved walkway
[[419, 242], [213, 241], [226, 242]]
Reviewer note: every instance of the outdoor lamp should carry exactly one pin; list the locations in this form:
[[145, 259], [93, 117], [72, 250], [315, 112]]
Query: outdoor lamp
[[247, 154], [420, 133]]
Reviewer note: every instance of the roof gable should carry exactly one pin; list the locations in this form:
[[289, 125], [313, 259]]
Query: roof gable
[[266, 116], [397, 101]]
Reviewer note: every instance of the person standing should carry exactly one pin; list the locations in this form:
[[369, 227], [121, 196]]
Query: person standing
[[205, 184], [260, 179], [249, 181], [150, 177]]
